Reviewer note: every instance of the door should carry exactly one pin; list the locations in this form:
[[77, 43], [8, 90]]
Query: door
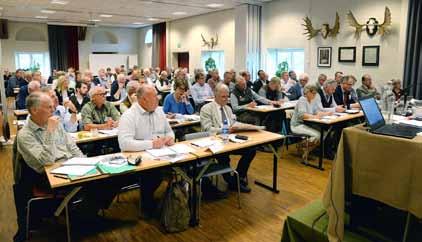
[[183, 60]]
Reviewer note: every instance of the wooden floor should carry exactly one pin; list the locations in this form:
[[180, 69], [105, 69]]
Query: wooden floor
[[260, 219]]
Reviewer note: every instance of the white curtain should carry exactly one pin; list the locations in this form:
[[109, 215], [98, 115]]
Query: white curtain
[[253, 60]]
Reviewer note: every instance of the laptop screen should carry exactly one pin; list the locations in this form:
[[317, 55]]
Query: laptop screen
[[372, 113]]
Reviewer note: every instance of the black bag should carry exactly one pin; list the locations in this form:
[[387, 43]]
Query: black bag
[[175, 213]]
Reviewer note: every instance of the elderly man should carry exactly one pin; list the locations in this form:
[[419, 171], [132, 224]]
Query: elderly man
[[321, 79], [163, 84], [367, 89], [228, 80], [144, 126], [247, 76], [213, 116], [260, 82], [101, 79], [201, 91], [286, 82], [24, 91], [215, 76], [98, 113], [118, 88], [243, 97], [148, 77], [327, 99], [338, 76], [345, 94], [296, 91]]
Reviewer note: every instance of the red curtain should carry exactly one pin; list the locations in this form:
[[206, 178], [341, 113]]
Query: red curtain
[[72, 47], [159, 39]]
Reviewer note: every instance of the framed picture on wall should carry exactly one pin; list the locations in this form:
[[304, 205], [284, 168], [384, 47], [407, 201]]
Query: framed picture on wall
[[347, 54], [324, 57], [371, 55]]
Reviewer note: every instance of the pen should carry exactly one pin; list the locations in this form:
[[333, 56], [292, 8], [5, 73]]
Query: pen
[[61, 176]]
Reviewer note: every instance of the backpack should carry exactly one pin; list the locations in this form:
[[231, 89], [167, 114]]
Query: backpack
[[175, 212]]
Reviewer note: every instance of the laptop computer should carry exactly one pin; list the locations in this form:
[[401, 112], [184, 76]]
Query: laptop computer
[[377, 124]]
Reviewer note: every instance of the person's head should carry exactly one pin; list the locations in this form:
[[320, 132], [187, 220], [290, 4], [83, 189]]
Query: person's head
[[62, 83], [87, 80], [222, 94], [228, 77], [19, 73], [101, 73], [157, 70], [241, 83], [274, 84], [88, 73], [81, 88], [246, 75], [131, 88], [34, 86], [52, 94], [322, 78], [367, 80], [330, 86], [200, 78], [303, 79], [134, 75], [337, 76], [310, 91], [215, 74], [28, 76], [261, 74], [108, 70], [78, 76], [36, 76], [347, 82], [292, 75], [98, 96], [285, 76], [40, 106], [396, 83], [147, 97], [117, 70], [70, 70], [121, 78], [147, 72], [180, 88], [163, 75]]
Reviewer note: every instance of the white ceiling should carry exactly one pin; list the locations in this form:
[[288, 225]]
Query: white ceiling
[[124, 12]]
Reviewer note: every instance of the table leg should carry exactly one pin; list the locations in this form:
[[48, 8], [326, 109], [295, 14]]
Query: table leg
[[321, 155], [275, 170], [194, 199]]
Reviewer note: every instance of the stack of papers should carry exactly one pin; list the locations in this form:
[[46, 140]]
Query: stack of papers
[[171, 150], [82, 161], [75, 170], [110, 132]]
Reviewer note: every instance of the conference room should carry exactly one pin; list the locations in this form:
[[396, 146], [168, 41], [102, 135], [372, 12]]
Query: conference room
[[246, 120]]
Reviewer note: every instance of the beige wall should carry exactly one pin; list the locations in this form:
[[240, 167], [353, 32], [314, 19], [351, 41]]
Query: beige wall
[[282, 29], [145, 50]]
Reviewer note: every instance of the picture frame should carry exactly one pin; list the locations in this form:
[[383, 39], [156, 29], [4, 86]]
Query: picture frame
[[347, 54], [370, 55], [324, 57]]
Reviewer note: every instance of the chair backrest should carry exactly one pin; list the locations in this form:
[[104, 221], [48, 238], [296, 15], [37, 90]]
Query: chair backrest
[[196, 135]]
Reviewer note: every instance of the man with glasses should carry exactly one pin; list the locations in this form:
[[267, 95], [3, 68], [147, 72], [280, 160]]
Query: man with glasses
[[98, 113], [201, 91], [345, 94]]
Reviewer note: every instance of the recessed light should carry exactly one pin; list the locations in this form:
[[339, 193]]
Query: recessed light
[[41, 17], [1, 8], [179, 13], [153, 19], [95, 20], [60, 2], [106, 15], [48, 11], [215, 5], [137, 23]]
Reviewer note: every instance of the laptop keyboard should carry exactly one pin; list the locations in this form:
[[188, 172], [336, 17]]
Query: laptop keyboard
[[399, 130]]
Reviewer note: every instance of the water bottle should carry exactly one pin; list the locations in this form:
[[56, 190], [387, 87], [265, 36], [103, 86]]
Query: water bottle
[[225, 132]]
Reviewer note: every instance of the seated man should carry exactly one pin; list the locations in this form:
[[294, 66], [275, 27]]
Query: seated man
[[98, 113], [24, 91], [178, 102], [228, 80], [367, 89], [101, 79], [243, 97], [321, 79], [293, 76], [14, 82], [327, 98], [247, 76], [345, 94], [286, 82], [118, 88], [81, 96], [201, 91], [143, 127], [260, 82], [213, 116], [296, 91], [131, 89]]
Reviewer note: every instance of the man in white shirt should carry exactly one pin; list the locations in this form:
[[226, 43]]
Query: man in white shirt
[[144, 126], [201, 91]]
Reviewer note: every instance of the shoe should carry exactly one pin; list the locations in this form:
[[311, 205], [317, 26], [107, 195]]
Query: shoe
[[2, 139], [211, 192], [244, 188]]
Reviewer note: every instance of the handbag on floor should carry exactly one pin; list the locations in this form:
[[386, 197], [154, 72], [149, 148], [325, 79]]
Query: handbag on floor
[[175, 212]]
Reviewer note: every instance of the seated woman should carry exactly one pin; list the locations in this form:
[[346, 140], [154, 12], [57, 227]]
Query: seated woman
[[131, 88], [63, 91], [397, 90], [178, 101], [308, 107]]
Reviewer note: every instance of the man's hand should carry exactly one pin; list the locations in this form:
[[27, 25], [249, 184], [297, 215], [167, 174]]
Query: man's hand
[[158, 143], [168, 141], [252, 104], [108, 124], [68, 104], [340, 109], [115, 124], [53, 123]]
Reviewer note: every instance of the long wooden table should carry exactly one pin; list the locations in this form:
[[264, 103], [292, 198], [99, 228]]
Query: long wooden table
[[271, 108], [256, 138], [324, 124]]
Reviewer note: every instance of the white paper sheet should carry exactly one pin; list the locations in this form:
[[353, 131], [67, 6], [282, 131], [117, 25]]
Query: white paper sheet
[[72, 170], [110, 132], [82, 161], [165, 151], [203, 142], [181, 148]]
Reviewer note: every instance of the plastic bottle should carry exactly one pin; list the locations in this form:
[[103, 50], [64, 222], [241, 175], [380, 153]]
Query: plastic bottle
[[225, 132]]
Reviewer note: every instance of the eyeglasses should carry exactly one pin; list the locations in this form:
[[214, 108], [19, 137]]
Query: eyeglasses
[[100, 94]]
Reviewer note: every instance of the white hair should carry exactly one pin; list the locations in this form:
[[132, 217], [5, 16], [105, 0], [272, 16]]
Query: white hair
[[303, 76]]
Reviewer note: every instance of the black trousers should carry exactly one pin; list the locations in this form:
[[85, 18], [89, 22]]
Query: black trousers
[[150, 181], [245, 161]]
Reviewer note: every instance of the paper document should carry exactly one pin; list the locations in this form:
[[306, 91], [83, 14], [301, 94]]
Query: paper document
[[110, 132], [238, 126], [165, 151], [181, 148], [82, 161], [265, 107], [203, 142], [216, 147], [191, 117], [340, 114], [72, 170], [411, 122]]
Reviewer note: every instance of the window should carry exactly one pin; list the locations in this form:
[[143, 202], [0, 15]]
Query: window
[[294, 58], [148, 37], [33, 61], [212, 60]]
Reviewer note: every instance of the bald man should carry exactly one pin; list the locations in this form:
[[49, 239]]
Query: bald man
[[24, 91]]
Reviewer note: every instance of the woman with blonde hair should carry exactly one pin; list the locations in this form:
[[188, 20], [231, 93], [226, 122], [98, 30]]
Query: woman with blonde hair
[[63, 91]]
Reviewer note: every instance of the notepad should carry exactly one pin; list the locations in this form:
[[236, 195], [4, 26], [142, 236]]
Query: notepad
[[72, 170], [110, 132], [203, 142], [181, 148], [216, 147], [82, 161]]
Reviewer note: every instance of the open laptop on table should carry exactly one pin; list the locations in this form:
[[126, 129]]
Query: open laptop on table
[[377, 124]]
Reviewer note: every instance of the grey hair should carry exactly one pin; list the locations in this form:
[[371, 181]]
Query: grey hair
[[132, 85], [46, 89], [330, 82], [303, 76], [144, 89], [239, 78], [33, 85], [221, 87], [33, 100], [310, 88], [347, 77], [92, 91]]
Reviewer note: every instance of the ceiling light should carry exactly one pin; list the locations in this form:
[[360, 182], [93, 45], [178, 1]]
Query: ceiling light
[[153, 19], [47, 11], [1, 8], [60, 2], [106, 15], [215, 5], [137, 23], [179, 13], [41, 17], [95, 20]]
